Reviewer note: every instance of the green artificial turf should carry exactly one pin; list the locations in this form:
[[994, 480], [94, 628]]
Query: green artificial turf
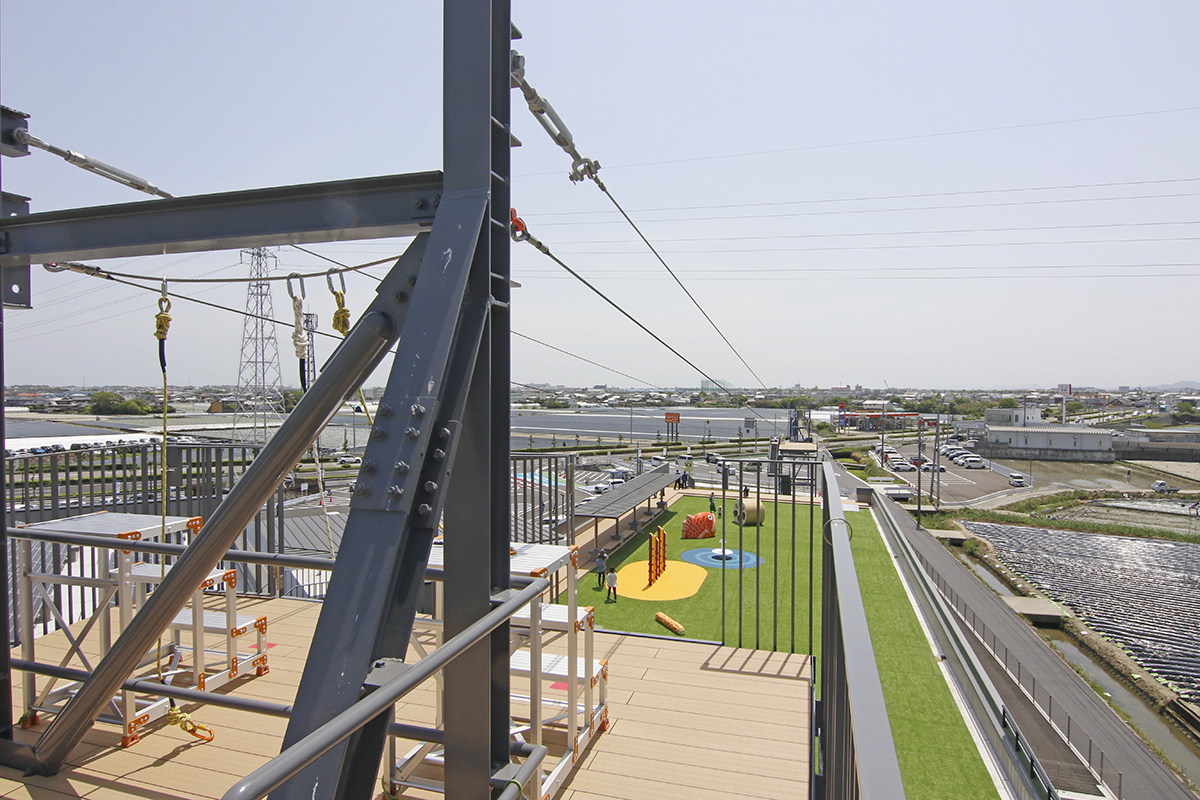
[[937, 755], [700, 614]]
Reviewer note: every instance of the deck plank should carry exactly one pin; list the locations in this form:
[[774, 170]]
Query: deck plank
[[688, 720]]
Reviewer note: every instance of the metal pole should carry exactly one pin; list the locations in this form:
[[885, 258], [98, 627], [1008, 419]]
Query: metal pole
[[6, 721], [348, 367]]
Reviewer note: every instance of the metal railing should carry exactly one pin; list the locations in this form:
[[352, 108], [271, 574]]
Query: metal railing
[[780, 497], [543, 498], [380, 702], [851, 717], [126, 478]]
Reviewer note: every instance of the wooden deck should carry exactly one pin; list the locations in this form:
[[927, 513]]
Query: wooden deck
[[688, 720]]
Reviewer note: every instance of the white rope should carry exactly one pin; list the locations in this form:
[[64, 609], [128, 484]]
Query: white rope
[[299, 335]]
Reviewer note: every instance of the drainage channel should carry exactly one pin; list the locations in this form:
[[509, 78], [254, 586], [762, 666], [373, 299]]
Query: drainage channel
[[1162, 733]]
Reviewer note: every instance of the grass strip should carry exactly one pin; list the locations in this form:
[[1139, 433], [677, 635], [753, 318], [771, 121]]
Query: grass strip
[[937, 755]]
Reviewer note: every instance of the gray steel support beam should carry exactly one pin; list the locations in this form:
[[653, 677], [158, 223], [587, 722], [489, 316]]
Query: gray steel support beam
[[367, 615], [349, 365], [476, 143], [366, 208]]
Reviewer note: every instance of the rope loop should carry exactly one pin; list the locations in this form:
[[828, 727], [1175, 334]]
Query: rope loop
[[185, 723], [341, 317], [162, 320]]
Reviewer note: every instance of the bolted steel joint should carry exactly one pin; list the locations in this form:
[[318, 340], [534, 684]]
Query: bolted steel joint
[[401, 297], [411, 433], [424, 509], [384, 410], [401, 468], [438, 455], [395, 491], [430, 487], [417, 409], [361, 490], [379, 432], [420, 203], [444, 433], [368, 466]]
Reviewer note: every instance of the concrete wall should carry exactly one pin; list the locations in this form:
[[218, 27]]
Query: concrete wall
[[1156, 451], [991, 450]]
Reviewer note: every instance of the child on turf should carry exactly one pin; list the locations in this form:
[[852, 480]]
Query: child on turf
[[611, 579]]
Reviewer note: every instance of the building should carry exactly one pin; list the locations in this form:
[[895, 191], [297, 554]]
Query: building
[[1047, 442], [1013, 416]]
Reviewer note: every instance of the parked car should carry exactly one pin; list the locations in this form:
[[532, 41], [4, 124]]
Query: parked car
[[712, 458], [903, 466], [975, 462], [349, 460], [929, 466], [1017, 479]]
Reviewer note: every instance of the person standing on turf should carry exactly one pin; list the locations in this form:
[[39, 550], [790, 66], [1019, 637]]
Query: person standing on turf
[[601, 566], [611, 580], [712, 503]]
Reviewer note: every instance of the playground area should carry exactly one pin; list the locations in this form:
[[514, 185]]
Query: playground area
[[759, 578]]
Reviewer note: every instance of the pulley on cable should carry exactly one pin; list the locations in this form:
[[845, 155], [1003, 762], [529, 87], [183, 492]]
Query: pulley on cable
[[341, 324]]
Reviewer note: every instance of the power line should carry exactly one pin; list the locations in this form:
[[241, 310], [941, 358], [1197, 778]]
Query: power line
[[889, 139], [942, 232], [588, 360], [932, 246], [700, 273], [865, 198], [842, 212]]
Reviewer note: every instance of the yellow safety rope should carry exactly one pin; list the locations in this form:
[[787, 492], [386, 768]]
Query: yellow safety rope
[[185, 722], [341, 324], [162, 324]]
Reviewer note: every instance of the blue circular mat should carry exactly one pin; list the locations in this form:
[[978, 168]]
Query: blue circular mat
[[735, 559]]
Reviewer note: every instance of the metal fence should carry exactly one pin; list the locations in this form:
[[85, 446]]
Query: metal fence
[[126, 478], [543, 498], [851, 716], [767, 517]]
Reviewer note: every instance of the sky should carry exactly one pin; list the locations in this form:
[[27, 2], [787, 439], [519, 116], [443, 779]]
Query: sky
[[933, 195]]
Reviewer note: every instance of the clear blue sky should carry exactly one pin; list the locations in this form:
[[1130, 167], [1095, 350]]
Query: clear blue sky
[[857, 193]]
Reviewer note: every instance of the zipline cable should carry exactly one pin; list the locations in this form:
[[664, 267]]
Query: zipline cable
[[582, 168], [520, 233]]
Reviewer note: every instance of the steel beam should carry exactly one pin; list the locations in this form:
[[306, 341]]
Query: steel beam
[[349, 365], [365, 208], [369, 606]]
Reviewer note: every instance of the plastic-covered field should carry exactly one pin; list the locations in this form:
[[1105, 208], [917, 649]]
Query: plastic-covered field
[[1141, 594]]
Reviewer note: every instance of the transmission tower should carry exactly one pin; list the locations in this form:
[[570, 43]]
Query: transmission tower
[[309, 321], [259, 399]]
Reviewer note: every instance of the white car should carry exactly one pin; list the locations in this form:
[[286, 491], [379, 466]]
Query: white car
[[903, 466], [349, 460], [1017, 479], [929, 466]]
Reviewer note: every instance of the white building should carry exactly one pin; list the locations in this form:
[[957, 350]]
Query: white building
[[1012, 416], [1079, 438]]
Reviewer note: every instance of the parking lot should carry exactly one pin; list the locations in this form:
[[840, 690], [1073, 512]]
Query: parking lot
[[957, 484]]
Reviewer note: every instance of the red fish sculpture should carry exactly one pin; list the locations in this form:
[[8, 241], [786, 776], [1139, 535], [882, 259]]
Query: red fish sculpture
[[700, 526]]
